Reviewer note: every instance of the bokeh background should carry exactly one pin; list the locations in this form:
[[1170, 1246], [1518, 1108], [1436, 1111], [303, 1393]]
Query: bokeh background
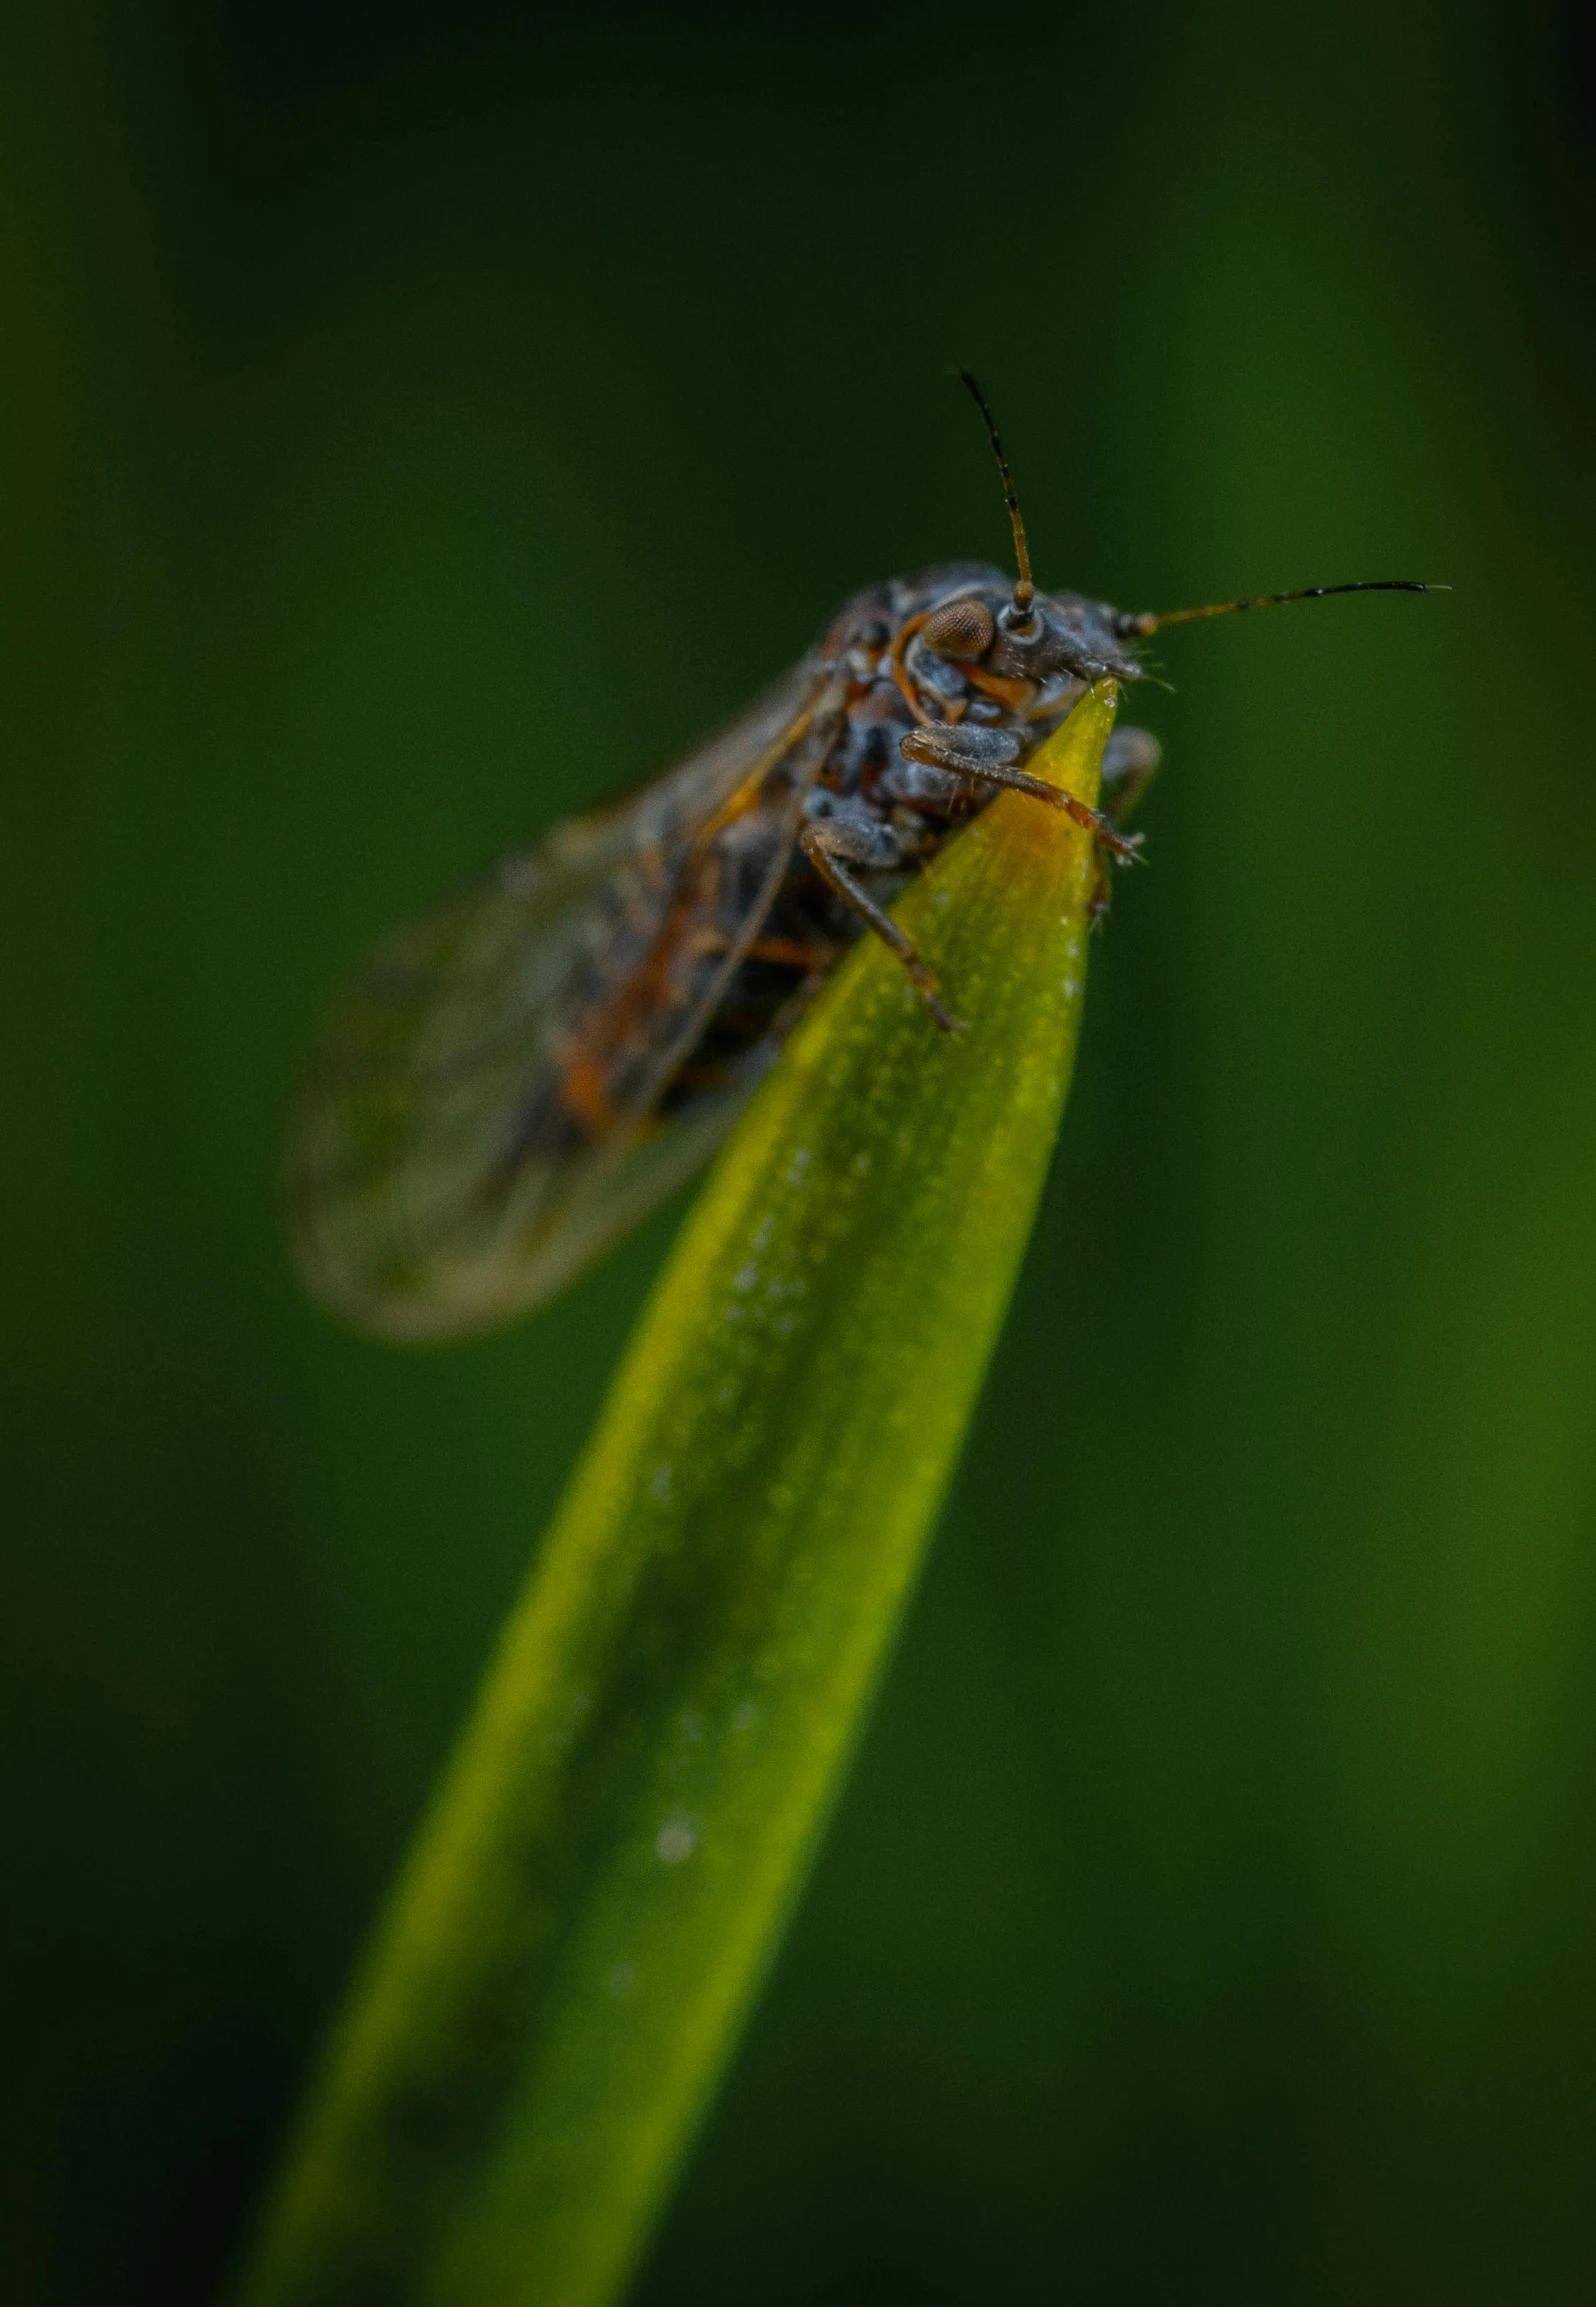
[[422, 419]]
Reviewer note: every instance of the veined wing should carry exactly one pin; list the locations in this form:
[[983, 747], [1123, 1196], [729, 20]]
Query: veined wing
[[477, 1122]]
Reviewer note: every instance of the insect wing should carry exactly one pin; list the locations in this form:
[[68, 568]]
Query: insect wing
[[440, 1174]]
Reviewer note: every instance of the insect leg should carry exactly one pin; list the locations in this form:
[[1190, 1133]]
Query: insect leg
[[1130, 763], [1123, 846], [823, 857], [979, 755]]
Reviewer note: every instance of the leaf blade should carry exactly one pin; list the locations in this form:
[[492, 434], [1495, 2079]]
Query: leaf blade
[[608, 1863]]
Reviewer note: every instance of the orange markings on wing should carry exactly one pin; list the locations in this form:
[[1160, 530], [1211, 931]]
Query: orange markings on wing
[[582, 1091], [622, 1026], [788, 950], [626, 1026], [749, 793]]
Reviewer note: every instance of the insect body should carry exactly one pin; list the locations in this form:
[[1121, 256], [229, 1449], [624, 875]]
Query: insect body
[[516, 1080]]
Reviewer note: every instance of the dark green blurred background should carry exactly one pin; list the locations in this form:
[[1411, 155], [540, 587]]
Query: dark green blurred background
[[421, 420]]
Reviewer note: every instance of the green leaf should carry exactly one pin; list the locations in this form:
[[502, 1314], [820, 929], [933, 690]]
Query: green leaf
[[608, 1863]]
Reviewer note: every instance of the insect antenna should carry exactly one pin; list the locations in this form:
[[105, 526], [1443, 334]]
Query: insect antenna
[[1024, 590], [1150, 623]]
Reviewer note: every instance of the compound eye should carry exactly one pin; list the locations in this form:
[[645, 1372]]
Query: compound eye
[[959, 629]]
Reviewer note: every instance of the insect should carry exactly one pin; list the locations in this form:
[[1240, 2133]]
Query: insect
[[516, 1080]]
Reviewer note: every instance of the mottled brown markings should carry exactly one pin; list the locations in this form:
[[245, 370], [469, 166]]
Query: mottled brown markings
[[567, 1041]]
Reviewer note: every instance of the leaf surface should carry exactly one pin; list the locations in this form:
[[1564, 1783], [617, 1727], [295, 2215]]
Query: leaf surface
[[608, 1862]]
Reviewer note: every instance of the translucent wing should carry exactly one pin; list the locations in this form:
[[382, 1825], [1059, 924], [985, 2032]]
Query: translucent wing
[[478, 1121]]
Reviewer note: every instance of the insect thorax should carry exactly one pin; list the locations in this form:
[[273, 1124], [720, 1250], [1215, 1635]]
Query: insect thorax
[[982, 675]]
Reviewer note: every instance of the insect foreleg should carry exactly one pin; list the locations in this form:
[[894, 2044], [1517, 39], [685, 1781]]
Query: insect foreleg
[[821, 844], [986, 756]]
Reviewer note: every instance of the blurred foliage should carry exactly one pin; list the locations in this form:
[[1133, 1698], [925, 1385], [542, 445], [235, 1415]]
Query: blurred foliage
[[420, 422]]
